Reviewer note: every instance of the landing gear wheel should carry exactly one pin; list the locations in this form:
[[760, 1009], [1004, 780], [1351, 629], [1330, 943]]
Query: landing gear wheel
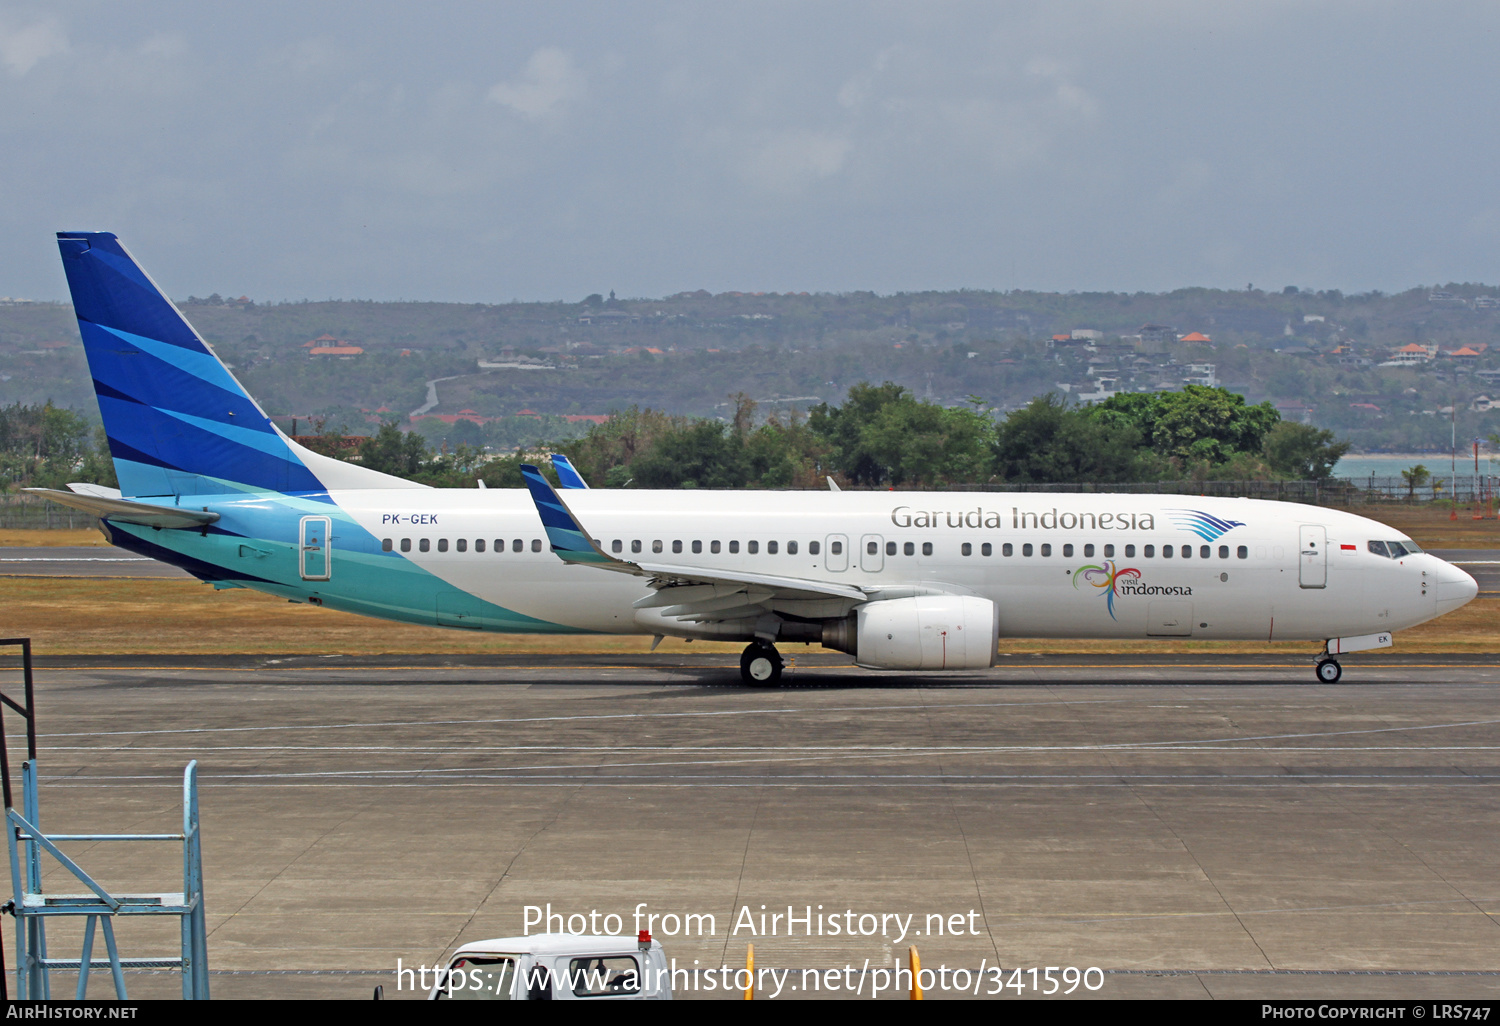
[[760, 665], [1329, 671]]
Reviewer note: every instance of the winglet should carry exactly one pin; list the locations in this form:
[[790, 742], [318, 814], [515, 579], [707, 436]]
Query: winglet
[[567, 474], [564, 532]]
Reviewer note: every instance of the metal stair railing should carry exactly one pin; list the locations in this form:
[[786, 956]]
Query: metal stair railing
[[32, 906]]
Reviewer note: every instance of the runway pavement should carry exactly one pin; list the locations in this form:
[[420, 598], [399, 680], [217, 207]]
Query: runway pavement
[[83, 561], [1192, 827]]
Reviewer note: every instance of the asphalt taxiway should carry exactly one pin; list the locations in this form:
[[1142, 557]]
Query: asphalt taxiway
[[1193, 827]]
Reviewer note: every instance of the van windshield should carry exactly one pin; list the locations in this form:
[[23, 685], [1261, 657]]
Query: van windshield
[[478, 978]]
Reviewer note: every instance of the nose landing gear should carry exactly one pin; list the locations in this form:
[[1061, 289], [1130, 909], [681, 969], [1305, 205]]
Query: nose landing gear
[[1329, 671], [760, 665]]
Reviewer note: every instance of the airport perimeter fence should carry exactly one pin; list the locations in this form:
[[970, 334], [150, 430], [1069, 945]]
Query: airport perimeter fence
[[34, 513], [1331, 492]]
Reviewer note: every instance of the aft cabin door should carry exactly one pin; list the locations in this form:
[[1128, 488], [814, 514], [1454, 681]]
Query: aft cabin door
[[314, 560], [1312, 544]]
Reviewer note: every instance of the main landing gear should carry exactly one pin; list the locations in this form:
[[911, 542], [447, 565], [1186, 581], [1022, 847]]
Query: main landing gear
[[1329, 671], [760, 664]]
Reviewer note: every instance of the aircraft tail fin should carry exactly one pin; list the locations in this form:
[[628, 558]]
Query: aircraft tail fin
[[567, 474], [566, 535], [177, 420]]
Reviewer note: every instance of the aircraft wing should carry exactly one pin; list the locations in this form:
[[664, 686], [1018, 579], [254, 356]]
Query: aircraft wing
[[698, 593], [99, 502]]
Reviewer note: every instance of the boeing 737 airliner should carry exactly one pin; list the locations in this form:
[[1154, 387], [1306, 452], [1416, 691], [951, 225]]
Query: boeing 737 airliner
[[900, 580]]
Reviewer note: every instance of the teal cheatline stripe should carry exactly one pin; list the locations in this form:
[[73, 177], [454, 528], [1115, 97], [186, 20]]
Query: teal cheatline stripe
[[564, 532]]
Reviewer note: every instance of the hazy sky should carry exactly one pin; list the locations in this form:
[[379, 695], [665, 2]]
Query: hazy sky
[[488, 151]]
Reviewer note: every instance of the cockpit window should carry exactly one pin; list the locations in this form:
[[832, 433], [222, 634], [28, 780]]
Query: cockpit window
[[1394, 549], [1378, 548], [1412, 548], [1397, 549]]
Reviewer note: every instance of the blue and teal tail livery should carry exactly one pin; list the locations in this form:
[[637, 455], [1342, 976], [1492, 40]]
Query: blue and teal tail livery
[[178, 422], [567, 474], [563, 530]]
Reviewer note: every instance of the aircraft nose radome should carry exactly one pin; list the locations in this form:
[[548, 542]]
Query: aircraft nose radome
[[1454, 588]]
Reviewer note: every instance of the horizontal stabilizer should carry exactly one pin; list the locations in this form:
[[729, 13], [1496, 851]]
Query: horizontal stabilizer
[[126, 511]]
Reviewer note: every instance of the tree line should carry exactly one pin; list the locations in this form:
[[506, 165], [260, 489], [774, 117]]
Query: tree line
[[884, 436], [879, 436]]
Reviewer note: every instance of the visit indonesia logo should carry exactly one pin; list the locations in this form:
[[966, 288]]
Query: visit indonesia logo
[[1107, 578]]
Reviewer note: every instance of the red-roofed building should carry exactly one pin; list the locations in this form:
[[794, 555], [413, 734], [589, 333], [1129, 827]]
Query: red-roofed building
[[1196, 336], [337, 352]]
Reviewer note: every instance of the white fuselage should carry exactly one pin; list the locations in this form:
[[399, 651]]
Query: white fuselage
[[1056, 565]]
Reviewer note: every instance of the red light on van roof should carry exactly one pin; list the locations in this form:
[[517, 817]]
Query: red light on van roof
[[644, 937]]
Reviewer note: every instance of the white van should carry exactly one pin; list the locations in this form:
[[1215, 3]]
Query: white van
[[556, 966]]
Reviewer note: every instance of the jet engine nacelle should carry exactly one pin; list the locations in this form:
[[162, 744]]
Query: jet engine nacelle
[[929, 632]]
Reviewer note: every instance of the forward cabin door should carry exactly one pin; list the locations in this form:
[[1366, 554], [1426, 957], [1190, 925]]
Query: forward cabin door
[[314, 553], [1312, 546]]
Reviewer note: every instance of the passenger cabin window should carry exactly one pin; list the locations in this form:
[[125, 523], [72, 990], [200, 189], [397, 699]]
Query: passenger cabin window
[[1130, 551], [966, 549], [1166, 551], [927, 548], [752, 547], [813, 548], [424, 544], [1204, 551], [1046, 550], [734, 547], [890, 548], [697, 546], [499, 545], [656, 545], [1007, 549], [791, 548], [713, 547], [462, 545], [442, 544], [1067, 550], [1109, 551], [517, 545], [617, 546], [910, 549], [1088, 552], [1223, 551], [635, 546], [405, 544], [677, 546], [771, 548], [478, 544], [986, 549], [1026, 549], [385, 545], [536, 545], [1243, 552], [873, 549]]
